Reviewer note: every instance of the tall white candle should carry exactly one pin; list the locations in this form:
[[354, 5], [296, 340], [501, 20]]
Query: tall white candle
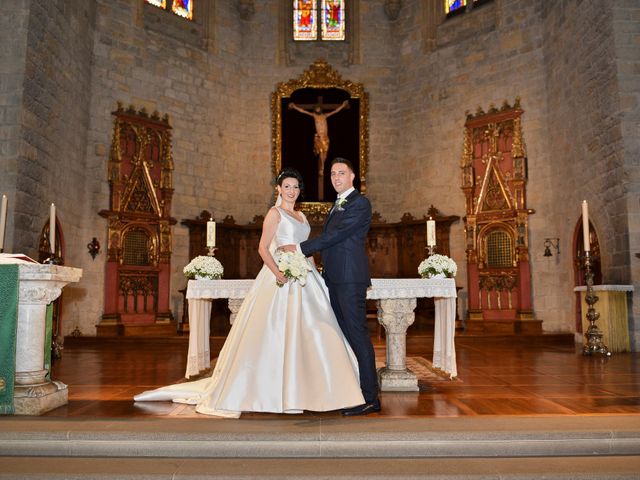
[[3, 219], [211, 233], [431, 233], [585, 226], [52, 227]]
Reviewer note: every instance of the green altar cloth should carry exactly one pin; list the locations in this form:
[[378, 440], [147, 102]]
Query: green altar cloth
[[8, 326]]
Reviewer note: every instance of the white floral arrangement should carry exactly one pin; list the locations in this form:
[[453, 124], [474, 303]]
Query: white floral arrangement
[[205, 267], [294, 266], [437, 265]]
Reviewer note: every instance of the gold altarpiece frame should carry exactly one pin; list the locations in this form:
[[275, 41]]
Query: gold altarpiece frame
[[318, 81]]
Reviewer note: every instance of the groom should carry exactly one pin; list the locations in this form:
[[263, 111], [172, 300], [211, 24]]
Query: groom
[[346, 273]]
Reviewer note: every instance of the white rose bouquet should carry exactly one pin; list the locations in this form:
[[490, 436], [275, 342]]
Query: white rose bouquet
[[294, 265], [204, 266], [437, 265]]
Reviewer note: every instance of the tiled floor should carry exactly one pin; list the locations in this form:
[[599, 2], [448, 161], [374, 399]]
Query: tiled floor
[[496, 377]]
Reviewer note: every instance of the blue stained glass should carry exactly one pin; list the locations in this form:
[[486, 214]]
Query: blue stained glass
[[453, 5]]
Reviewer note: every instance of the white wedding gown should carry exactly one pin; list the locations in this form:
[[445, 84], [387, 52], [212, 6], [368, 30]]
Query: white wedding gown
[[285, 352]]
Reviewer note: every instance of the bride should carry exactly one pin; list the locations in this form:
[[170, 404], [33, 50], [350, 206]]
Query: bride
[[285, 352]]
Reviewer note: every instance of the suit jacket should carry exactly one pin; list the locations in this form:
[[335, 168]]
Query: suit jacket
[[342, 242]]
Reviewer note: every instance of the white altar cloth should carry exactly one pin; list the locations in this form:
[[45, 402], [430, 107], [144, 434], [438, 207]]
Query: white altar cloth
[[403, 291]]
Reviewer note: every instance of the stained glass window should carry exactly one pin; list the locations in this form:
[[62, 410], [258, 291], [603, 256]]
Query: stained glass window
[[158, 3], [333, 20], [184, 8], [451, 6], [327, 16], [304, 20]]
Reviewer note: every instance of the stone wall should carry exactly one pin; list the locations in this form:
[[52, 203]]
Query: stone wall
[[626, 27], [483, 57], [13, 47], [48, 83], [218, 98], [585, 137], [66, 64]]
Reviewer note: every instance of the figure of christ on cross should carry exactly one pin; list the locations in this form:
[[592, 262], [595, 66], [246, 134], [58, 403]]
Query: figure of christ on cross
[[321, 137]]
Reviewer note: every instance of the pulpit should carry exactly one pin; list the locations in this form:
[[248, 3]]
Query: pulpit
[[39, 285]]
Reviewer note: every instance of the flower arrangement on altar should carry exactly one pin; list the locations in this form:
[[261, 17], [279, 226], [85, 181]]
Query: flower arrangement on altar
[[204, 267], [294, 266], [437, 266]]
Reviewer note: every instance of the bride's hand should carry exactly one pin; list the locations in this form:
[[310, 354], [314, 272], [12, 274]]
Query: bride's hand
[[281, 278]]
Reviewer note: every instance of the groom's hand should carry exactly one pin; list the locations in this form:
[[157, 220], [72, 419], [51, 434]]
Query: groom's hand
[[287, 248]]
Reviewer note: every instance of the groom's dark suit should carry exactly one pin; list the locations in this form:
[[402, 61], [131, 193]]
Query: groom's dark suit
[[346, 272]]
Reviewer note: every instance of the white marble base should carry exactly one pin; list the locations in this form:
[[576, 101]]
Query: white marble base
[[40, 398], [397, 381]]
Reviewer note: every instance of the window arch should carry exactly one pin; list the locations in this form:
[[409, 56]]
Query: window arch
[[324, 19]]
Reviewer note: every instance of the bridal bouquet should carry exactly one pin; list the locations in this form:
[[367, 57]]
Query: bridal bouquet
[[294, 265], [204, 267], [437, 266]]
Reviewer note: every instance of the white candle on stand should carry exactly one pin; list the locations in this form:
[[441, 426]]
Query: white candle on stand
[[52, 228], [431, 233], [3, 220], [585, 226], [211, 233]]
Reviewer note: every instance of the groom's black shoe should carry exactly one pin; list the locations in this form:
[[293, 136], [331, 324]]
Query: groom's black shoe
[[364, 409]]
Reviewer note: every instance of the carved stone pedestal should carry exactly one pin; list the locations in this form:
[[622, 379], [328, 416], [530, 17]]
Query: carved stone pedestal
[[395, 315], [39, 286]]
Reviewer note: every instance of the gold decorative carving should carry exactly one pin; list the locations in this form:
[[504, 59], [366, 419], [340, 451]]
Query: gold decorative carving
[[493, 179], [518, 147], [320, 75]]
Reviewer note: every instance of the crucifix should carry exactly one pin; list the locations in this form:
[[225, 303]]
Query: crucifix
[[320, 112]]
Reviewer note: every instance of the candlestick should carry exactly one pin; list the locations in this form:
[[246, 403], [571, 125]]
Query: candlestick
[[431, 232], [52, 228], [585, 226], [211, 233], [3, 220], [593, 335]]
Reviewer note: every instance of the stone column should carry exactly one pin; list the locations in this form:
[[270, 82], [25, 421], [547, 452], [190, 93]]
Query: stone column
[[395, 315], [234, 306], [39, 286]]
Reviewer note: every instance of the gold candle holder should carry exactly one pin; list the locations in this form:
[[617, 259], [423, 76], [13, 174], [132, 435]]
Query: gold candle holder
[[593, 334]]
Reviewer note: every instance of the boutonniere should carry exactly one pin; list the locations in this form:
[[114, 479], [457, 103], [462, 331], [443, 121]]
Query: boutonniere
[[340, 204]]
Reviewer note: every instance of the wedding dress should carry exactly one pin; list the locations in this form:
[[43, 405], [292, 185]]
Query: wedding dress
[[285, 352]]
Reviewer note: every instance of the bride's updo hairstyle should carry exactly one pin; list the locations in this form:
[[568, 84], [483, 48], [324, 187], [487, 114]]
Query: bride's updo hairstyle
[[289, 172]]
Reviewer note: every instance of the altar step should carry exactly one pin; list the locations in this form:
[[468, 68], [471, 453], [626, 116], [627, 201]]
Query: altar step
[[595, 447]]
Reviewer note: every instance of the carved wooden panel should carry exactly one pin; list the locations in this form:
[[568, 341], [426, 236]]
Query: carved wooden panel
[[137, 283], [494, 175]]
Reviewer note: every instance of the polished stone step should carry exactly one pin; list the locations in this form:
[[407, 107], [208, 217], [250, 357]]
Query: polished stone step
[[459, 437], [530, 468]]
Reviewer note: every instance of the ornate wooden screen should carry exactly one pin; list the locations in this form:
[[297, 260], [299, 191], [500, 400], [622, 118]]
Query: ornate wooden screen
[[494, 176], [137, 283]]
